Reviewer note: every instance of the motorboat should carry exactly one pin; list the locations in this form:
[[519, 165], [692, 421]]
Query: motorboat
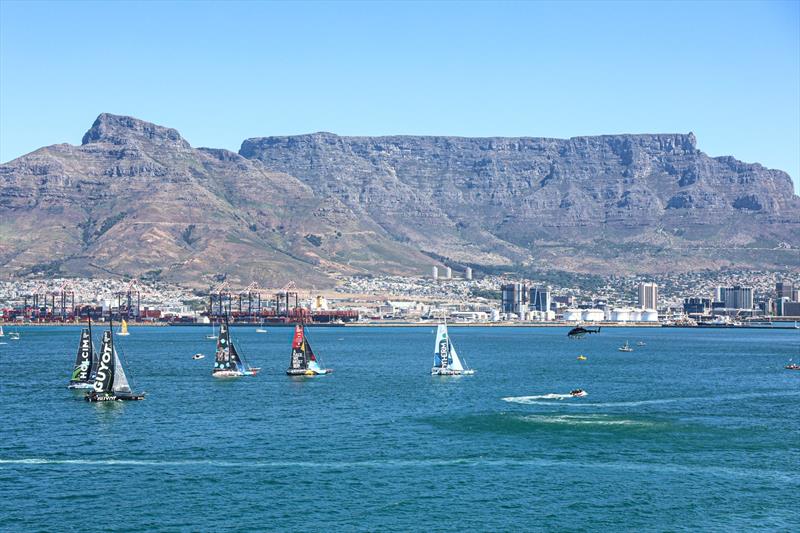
[[581, 358], [641, 343], [578, 393], [198, 356], [625, 347]]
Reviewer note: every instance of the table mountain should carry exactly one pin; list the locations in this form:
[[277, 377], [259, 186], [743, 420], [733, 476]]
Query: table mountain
[[136, 199]]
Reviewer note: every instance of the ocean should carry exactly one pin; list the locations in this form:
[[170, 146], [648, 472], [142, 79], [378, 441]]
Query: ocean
[[697, 430]]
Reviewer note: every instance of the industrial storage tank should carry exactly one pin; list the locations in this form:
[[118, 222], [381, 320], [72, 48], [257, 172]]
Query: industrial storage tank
[[621, 315], [593, 315], [650, 315], [636, 315], [572, 315]]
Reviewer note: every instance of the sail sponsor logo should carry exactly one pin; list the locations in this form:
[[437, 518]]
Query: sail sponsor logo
[[84, 358], [104, 367], [443, 352]]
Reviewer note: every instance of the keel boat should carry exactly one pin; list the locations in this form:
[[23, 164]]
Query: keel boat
[[445, 358], [110, 382], [85, 361], [228, 363], [304, 361]]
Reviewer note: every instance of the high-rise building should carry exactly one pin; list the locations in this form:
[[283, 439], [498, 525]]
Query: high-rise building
[[648, 296], [796, 295], [468, 273], [737, 297], [696, 306], [783, 290], [513, 298], [435, 272], [540, 298], [719, 294], [448, 273]]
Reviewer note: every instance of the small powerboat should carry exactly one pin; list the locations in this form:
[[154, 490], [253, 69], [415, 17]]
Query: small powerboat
[[578, 393], [581, 358], [625, 347], [792, 366], [640, 343], [198, 356]]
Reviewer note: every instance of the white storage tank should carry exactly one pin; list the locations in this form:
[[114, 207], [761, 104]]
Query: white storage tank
[[573, 315], [636, 315], [620, 315], [593, 315], [650, 315]]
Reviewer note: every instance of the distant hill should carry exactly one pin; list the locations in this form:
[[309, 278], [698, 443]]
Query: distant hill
[[135, 199]]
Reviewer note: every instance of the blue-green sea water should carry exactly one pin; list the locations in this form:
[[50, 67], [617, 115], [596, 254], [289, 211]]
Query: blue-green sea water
[[697, 430]]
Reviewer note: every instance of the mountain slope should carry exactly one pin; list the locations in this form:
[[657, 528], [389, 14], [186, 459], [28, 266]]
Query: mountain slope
[[618, 203], [135, 198]]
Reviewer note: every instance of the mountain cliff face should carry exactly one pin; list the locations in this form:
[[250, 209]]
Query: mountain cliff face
[[136, 198], [616, 203]]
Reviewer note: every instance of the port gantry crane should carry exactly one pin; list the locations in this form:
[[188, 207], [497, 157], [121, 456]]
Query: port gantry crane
[[132, 290]]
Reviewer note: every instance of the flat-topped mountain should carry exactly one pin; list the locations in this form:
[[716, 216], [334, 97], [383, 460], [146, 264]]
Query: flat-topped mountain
[[136, 198]]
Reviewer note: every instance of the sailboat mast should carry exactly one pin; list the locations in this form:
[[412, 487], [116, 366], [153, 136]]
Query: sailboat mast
[[91, 341]]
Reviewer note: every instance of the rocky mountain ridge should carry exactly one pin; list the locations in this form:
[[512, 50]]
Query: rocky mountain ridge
[[136, 199]]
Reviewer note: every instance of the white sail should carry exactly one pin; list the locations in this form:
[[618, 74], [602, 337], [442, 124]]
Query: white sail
[[120, 379], [455, 361], [440, 346]]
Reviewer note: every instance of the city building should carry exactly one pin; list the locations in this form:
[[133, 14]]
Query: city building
[[696, 306], [539, 298], [514, 298], [783, 290], [737, 297], [468, 273], [435, 272], [648, 296], [448, 273]]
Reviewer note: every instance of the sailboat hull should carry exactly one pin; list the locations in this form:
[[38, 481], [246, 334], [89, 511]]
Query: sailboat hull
[[308, 372], [81, 385], [229, 374], [438, 371], [111, 397]]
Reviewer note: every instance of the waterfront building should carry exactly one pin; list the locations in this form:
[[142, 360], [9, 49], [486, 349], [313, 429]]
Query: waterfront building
[[648, 296], [539, 298], [696, 306], [796, 295], [737, 297], [783, 290], [513, 298]]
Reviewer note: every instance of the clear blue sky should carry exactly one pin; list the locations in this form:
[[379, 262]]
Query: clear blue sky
[[222, 72]]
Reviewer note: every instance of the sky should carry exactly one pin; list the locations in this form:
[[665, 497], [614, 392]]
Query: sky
[[223, 72]]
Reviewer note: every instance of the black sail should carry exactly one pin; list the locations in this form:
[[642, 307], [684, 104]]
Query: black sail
[[104, 378], [226, 358], [299, 359], [84, 360]]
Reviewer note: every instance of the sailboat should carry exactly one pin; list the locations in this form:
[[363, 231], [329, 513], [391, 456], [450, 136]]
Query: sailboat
[[227, 361], [83, 373], [123, 329], [303, 361], [625, 347], [261, 328], [1, 332], [445, 358], [110, 382], [213, 333]]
